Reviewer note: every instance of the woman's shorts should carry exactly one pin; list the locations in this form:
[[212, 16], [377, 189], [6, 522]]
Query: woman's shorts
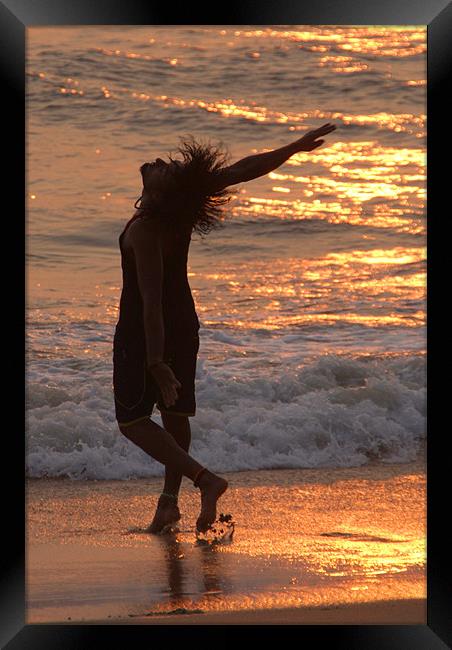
[[136, 391]]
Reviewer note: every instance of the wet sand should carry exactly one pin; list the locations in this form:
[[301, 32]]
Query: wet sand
[[325, 546], [392, 612]]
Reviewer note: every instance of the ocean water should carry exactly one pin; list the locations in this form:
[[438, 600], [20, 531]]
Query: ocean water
[[311, 297]]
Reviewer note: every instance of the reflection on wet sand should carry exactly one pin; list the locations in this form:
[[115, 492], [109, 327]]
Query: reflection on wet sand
[[212, 579], [303, 538]]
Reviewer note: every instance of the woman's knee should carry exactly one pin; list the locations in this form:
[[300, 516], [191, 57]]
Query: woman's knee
[[142, 426], [129, 430], [175, 421], [123, 429]]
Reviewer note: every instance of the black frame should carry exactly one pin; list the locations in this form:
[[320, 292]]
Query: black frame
[[15, 17]]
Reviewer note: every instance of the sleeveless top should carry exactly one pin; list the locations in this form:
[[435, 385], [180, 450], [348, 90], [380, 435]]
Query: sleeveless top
[[178, 307]]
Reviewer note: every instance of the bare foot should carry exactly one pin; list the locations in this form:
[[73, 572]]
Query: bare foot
[[212, 487], [167, 513]]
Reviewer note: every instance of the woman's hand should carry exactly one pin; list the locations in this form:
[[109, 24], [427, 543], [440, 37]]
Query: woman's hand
[[166, 381], [309, 141]]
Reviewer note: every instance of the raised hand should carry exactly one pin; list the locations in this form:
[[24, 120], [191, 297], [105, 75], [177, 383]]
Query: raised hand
[[309, 141]]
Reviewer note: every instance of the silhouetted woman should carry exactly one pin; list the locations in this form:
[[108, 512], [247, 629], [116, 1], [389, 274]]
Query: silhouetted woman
[[156, 339]]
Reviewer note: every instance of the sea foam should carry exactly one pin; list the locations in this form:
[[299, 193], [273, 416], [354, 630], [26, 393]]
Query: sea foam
[[332, 412]]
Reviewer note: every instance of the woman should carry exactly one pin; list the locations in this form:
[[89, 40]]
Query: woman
[[156, 338]]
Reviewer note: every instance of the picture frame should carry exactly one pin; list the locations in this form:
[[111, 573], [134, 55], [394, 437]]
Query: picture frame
[[15, 18]]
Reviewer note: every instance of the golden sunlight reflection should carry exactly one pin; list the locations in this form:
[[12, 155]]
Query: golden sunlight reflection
[[375, 40], [343, 64], [365, 184], [251, 110], [333, 537], [418, 82], [382, 216], [367, 152], [365, 287], [397, 122]]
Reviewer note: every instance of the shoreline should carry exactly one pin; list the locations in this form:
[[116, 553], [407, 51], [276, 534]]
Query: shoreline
[[370, 470], [395, 612]]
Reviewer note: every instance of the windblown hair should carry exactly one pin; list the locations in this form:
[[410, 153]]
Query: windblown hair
[[190, 196]]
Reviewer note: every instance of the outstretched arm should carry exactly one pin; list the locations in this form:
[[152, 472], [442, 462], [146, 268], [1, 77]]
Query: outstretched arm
[[263, 163]]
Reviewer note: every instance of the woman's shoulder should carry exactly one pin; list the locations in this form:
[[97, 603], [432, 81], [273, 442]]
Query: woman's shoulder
[[140, 228], [146, 223]]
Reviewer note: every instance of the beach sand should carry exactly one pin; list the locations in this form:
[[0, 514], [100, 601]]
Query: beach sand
[[324, 546]]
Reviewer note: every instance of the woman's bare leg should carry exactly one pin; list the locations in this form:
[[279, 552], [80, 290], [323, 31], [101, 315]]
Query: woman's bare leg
[[167, 512], [179, 427], [161, 445]]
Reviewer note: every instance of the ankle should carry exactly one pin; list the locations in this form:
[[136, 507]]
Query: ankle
[[166, 498], [200, 477], [203, 478]]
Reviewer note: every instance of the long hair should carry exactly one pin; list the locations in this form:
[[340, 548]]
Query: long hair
[[190, 195]]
